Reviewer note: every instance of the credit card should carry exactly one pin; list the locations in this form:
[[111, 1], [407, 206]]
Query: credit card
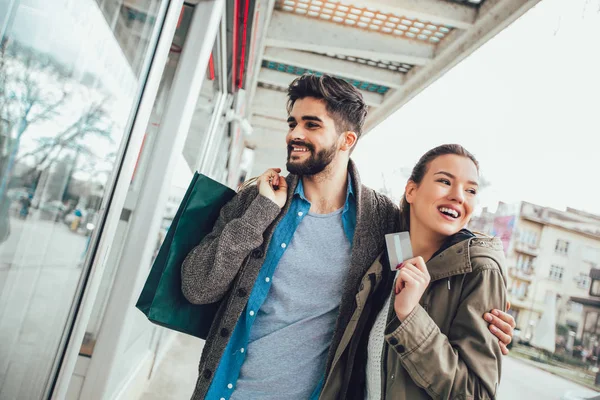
[[398, 247]]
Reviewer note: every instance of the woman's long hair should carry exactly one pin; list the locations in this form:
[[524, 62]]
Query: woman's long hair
[[420, 169]]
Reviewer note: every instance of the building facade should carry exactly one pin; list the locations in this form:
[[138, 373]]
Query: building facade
[[550, 253]]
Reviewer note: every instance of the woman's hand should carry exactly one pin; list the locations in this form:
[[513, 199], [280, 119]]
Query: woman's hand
[[273, 186], [411, 283]]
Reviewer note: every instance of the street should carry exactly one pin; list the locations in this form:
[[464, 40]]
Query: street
[[523, 381]]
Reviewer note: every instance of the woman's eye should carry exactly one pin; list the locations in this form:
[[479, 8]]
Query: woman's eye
[[472, 191], [444, 181]]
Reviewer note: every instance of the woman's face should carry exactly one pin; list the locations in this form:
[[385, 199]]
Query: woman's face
[[444, 200]]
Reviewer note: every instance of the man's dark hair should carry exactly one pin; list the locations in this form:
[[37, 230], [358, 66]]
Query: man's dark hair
[[344, 102]]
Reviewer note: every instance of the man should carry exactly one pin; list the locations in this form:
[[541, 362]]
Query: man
[[286, 256]]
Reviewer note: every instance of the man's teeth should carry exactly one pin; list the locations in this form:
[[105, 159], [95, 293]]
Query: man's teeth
[[299, 148], [449, 211]]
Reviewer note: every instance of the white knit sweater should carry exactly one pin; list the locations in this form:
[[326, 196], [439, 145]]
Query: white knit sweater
[[375, 351]]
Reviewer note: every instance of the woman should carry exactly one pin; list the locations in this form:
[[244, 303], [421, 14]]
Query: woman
[[421, 335]]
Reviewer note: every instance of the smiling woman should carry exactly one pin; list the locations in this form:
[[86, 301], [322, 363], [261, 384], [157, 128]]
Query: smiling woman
[[426, 320], [438, 165]]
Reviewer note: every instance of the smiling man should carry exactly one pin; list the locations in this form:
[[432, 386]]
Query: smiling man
[[286, 256]]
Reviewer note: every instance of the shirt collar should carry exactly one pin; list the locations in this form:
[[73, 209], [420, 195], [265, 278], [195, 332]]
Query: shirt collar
[[349, 190]]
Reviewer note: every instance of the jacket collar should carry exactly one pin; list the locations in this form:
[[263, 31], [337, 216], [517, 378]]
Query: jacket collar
[[456, 259], [452, 261], [299, 191]]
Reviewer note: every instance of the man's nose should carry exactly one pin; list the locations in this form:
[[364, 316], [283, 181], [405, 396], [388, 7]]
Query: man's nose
[[296, 133]]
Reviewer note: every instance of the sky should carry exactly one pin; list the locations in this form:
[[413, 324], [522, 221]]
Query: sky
[[527, 104]]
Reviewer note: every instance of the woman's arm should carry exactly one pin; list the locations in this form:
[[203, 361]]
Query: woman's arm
[[466, 363]]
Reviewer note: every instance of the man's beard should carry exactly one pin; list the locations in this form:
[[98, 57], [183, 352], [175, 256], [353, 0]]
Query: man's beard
[[315, 164]]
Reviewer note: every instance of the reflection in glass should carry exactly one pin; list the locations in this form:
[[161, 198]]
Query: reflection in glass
[[70, 73], [196, 141]]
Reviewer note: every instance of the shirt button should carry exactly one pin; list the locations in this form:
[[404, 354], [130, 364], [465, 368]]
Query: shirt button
[[224, 332], [242, 350], [251, 313], [283, 245], [222, 398], [267, 279], [300, 214], [393, 341], [400, 349], [207, 373], [230, 386]]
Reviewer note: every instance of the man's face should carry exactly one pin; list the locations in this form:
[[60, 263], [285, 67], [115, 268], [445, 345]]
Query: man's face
[[313, 141]]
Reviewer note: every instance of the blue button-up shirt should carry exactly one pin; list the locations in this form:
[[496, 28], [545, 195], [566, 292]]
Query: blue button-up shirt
[[228, 371]]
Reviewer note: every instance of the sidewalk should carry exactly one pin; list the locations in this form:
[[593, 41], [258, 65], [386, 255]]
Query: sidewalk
[[175, 376]]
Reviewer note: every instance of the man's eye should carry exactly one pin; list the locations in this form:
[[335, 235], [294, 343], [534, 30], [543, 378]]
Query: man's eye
[[292, 126], [312, 125]]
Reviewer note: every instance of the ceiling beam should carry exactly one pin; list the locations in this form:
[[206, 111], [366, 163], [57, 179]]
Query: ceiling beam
[[270, 103], [308, 34], [283, 79], [335, 66], [494, 16], [437, 11]]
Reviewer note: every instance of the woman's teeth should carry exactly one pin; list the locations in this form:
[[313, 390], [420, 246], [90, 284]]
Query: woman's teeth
[[449, 211]]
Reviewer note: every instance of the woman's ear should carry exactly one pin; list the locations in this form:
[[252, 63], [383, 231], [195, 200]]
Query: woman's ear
[[410, 191], [349, 140]]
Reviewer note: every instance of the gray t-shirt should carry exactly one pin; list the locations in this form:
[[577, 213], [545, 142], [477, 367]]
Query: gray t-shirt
[[290, 338]]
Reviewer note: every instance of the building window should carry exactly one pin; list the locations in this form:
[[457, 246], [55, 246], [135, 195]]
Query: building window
[[556, 273], [595, 290], [525, 263], [583, 281], [519, 289], [533, 239], [562, 247], [591, 255], [528, 237], [576, 308]]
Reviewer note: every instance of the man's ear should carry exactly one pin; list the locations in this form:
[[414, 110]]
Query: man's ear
[[410, 191], [349, 140]]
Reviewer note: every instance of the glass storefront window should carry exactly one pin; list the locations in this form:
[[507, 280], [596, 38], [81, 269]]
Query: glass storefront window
[[141, 335], [196, 141], [70, 78], [108, 277]]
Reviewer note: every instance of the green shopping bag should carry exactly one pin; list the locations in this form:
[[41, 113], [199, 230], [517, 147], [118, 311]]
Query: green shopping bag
[[161, 299]]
